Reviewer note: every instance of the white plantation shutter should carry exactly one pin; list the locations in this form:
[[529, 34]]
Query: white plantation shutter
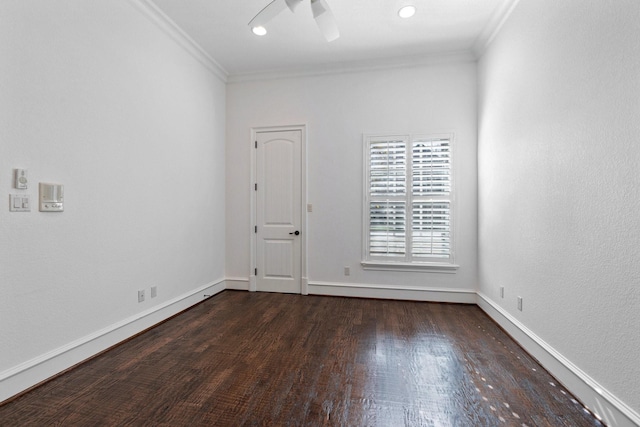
[[408, 199], [431, 231], [387, 194], [431, 188], [431, 167], [388, 168], [387, 236]]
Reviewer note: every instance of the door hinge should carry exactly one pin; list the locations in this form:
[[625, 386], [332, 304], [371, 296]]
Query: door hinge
[[255, 229], [256, 144], [255, 186], [255, 272]]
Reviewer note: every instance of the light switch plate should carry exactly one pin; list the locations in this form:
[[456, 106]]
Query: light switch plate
[[19, 203]]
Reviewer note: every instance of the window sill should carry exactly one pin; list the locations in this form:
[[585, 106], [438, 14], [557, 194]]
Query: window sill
[[432, 267]]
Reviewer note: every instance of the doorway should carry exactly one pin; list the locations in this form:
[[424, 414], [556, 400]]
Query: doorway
[[278, 200]]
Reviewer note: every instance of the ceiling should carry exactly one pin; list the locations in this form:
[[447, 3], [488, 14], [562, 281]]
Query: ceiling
[[371, 33]]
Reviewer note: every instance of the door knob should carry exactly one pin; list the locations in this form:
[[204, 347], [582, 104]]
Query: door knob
[[297, 233]]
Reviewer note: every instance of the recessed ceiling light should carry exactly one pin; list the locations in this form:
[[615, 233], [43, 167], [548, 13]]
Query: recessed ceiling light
[[259, 31], [407, 11]]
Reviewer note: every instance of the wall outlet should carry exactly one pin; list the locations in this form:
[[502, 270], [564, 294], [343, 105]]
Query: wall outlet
[[309, 207], [154, 291], [520, 303], [347, 271], [141, 295], [501, 291]]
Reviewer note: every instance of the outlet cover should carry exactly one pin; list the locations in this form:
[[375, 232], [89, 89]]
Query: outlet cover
[[501, 291], [141, 295], [154, 291], [520, 303]]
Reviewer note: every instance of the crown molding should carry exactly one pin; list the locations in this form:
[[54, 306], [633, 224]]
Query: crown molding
[[149, 9], [493, 27], [357, 66]]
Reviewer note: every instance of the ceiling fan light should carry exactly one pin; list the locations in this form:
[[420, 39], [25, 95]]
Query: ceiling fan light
[[407, 11], [259, 30]]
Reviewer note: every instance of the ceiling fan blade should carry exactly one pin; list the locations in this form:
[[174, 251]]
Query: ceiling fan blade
[[325, 20], [292, 4], [268, 13]]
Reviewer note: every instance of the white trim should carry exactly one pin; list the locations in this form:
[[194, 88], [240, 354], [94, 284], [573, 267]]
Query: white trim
[[236, 283], [27, 374], [493, 27], [407, 266], [357, 66], [399, 292], [166, 24], [596, 398], [303, 202]]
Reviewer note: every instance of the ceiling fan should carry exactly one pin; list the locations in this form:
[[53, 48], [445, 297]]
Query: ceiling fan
[[321, 13]]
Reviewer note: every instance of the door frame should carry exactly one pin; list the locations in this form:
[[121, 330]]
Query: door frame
[[304, 281]]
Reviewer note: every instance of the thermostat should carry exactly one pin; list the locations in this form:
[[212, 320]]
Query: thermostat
[[20, 178]]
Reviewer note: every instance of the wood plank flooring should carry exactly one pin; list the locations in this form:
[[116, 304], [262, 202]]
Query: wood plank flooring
[[258, 359]]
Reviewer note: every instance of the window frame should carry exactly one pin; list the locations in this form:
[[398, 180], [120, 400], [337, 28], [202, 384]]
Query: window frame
[[408, 262]]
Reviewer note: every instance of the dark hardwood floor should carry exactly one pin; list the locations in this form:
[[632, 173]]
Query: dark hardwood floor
[[260, 359]]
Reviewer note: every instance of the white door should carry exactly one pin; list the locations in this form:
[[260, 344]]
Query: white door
[[278, 211]]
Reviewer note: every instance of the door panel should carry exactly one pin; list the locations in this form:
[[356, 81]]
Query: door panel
[[279, 196], [278, 257]]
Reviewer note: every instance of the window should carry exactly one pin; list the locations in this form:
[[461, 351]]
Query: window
[[408, 202]]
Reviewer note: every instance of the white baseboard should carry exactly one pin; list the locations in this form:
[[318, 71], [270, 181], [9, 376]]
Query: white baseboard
[[236, 284], [412, 293], [611, 410], [24, 376]]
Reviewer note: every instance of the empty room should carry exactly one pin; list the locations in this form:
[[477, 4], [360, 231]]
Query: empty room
[[320, 212]]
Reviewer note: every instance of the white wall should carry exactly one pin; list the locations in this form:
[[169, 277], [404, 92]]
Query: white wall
[[95, 96], [337, 110], [559, 198]]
